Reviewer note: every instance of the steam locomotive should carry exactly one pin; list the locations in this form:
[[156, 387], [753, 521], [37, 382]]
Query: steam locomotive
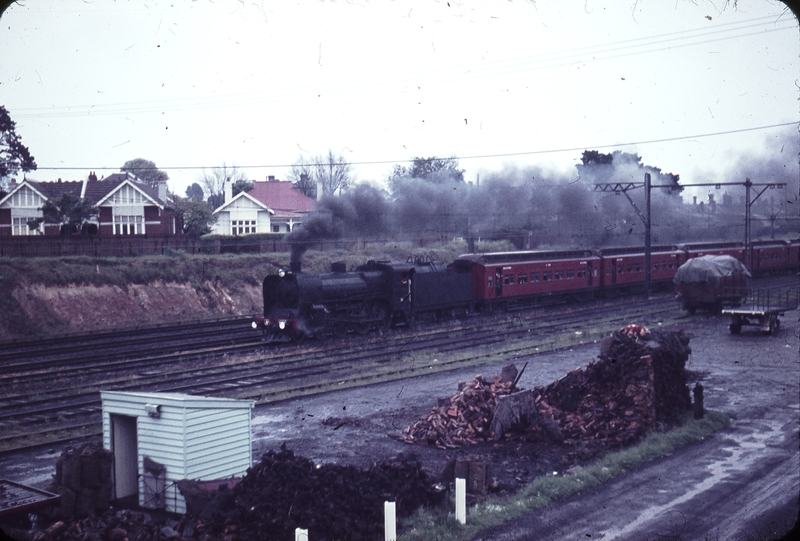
[[381, 294]]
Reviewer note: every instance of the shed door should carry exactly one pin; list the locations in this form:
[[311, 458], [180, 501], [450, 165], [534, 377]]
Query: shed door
[[124, 447]]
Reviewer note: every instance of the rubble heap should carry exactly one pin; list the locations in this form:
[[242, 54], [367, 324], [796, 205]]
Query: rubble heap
[[464, 418], [331, 501], [638, 380]]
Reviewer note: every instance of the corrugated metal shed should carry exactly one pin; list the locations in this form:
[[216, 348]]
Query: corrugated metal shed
[[181, 436]]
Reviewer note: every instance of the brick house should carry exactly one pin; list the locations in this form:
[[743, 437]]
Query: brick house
[[126, 206], [271, 206]]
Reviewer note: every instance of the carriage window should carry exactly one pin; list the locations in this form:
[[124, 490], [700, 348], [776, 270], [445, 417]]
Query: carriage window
[[608, 271], [490, 281], [630, 268], [621, 269], [671, 264], [534, 277], [547, 276], [508, 279], [522, 278], [559, 274], [638, 267], [594, 272], [581, 273], [570, 274]]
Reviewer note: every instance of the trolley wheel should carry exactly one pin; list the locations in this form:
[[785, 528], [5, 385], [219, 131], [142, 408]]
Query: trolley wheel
[[735, 328]]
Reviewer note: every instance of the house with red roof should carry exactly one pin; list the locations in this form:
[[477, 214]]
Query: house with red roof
[[127, 206], [271, 206]]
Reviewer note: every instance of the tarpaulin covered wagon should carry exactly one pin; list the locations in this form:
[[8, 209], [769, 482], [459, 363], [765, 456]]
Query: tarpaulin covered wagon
[[710, 282]]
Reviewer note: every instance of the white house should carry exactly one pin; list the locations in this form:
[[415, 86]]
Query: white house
[[271, 206]]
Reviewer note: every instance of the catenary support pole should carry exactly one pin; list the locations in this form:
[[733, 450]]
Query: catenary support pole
[[461, 500]]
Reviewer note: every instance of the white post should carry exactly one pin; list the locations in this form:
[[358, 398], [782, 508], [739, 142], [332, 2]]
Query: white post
[[389, 522], [300, 534], [461, 500]]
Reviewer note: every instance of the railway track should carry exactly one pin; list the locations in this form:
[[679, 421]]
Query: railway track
[[55, 398]]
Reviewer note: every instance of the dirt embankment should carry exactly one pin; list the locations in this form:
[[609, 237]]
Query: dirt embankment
[[40, 310]]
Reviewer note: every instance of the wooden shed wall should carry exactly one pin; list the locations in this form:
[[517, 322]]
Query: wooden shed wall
[[218, 443]]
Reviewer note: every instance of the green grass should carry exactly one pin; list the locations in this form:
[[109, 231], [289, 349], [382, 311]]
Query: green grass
[[440, 525]]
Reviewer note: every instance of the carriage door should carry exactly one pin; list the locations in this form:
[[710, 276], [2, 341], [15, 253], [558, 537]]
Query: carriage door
[[589, 270], [498, 282], [613, 272]]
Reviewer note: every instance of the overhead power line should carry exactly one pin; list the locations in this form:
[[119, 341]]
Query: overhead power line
[[466, 157], [446, 75]]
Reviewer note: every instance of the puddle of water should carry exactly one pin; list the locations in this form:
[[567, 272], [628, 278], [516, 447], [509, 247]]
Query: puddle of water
[[740, 455]]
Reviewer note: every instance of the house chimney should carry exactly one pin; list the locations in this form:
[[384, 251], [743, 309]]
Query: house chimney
[[162, 190], [13, 180], [228, 190], [271, 178]]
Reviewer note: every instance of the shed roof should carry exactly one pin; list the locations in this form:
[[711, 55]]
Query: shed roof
[[185, 400]]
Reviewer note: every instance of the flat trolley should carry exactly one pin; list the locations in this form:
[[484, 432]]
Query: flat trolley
[[762, 308], [16, 498]]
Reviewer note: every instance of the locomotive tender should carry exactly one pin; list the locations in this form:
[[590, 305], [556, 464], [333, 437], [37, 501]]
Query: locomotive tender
[[381, 294]]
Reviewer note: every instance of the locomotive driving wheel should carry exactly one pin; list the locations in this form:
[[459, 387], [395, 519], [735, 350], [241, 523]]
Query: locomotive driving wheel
[[380, 314]]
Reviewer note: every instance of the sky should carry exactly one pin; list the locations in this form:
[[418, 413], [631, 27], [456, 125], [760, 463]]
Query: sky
[[690, 85]]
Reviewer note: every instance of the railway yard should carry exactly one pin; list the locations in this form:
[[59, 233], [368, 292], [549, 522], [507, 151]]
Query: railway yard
[[347, 401]]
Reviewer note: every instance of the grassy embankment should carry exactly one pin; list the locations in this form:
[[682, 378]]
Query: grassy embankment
[[19, 275], [440, 524]]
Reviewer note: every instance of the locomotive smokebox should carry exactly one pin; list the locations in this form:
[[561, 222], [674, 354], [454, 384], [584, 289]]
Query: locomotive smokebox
[[294, 266]]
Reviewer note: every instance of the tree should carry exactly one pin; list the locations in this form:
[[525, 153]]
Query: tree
[[145, 170], [241, 185], [302, 176], [195, 192], [213, 181], [433, 169], [331, 172], [13, 154], [195, 217], [67, 210]]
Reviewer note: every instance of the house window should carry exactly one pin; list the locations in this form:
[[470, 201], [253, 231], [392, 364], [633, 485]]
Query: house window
[[243, 227], [20, 227], [128, 225], [276, 229], [26, 197], [127, 195]]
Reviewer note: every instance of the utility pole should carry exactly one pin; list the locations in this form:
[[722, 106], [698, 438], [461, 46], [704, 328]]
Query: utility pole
[[748, 202], [623, 188]]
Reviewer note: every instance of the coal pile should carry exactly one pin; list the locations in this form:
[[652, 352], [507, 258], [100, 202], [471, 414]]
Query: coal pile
[[83, 480], [464, 418], [638, 381], [333, 502]]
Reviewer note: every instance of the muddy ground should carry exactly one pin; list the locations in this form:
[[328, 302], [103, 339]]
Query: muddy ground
[[730, 486]]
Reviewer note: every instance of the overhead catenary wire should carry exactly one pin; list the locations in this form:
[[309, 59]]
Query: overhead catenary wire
[[464, 157], [440, 76]]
